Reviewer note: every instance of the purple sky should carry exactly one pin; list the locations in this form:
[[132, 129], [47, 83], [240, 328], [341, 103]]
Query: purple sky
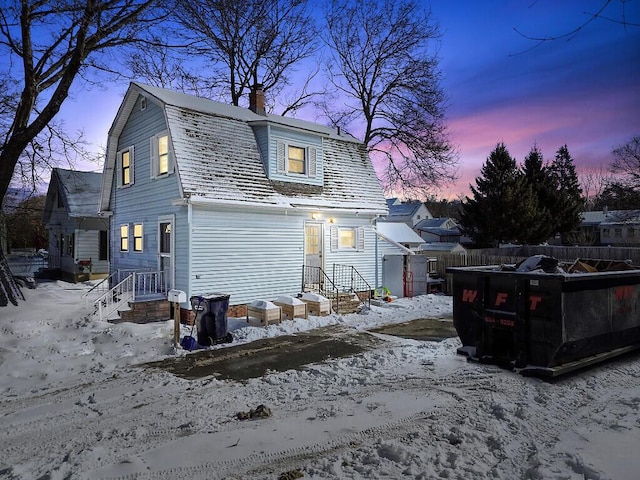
[[583, 92]]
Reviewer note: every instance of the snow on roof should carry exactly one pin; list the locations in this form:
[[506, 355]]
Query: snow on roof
[[433, 223], [219, 161], [398, 232], [79, 191], [405, 210]]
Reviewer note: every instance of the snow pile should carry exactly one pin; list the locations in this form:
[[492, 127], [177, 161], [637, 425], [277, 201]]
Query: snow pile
[[75, 404]]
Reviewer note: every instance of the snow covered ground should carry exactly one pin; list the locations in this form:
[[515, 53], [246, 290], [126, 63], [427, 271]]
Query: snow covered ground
[[74, 404]]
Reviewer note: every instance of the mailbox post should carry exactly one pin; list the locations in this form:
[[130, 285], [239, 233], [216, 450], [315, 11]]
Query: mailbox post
[[176, 297]]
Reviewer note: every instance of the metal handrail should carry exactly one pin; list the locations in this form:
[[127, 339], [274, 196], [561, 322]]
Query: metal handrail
[[109, 302], [350, 280], [102, 286], [318, 280], [133, 286]]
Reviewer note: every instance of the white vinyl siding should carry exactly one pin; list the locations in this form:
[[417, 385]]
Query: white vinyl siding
[[249, 256]]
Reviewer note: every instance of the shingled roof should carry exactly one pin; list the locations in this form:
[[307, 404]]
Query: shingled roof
[[79, 192], [218, 159]]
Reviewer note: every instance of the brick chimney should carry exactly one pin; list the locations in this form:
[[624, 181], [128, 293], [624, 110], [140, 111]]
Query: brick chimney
[[256, 99]]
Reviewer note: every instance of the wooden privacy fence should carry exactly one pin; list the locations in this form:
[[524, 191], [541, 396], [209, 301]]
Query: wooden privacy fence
[[511, 255]]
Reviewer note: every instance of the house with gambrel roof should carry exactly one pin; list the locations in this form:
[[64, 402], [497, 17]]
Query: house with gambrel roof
[[218, 198], [78, 236]]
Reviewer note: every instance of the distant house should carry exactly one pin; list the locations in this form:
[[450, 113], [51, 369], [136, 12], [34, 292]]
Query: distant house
[[620, 228], [432, 248], [438, 230], [218, 198], [78, 235], [406, 212]]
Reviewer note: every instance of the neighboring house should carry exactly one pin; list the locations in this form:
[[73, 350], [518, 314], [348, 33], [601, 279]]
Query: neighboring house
[[620, 228], [400, 233], [438, 230], [233, 200], [78, 236], [406, 212]]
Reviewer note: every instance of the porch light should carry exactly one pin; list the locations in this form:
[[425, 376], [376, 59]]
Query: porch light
[[315, 215]]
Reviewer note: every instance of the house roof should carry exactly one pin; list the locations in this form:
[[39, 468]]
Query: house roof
[[218, 159], [612, 217], [79, 192], [398, 232], [429, 223], [442, 231], [401, 212]]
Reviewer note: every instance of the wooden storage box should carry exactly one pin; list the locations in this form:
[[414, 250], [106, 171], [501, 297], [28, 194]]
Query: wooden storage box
[[317, 304], [291, 311], [265, 312]]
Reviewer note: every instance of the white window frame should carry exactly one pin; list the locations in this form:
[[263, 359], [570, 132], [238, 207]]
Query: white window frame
[[155, 155], [121, 153], [126, 238], [138, 237], [310, 160], [358, 236]]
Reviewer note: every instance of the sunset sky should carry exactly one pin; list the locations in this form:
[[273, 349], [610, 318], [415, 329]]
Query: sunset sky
[[583, 91]]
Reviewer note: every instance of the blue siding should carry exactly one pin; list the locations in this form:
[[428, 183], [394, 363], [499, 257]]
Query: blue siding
[[147, 198]]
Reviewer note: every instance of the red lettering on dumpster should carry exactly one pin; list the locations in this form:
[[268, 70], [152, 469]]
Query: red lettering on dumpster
[[469, 296], [533, 302], [624, 292], [501, 298]]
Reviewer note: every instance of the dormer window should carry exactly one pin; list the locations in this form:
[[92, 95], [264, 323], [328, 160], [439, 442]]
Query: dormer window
[[296, 160]]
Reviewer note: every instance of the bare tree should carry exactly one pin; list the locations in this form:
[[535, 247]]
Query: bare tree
[[626, 162], [45, 46], [621, 18], [248, 42], [593, 183], [385, 72]]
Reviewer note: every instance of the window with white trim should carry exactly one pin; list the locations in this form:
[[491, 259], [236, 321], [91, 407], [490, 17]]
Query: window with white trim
[[347, 238], [161, 161], [125, 167], [124, 238], [137, 237], [296, 160]]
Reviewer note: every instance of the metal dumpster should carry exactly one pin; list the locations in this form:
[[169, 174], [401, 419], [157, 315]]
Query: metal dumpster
[[543, 323], [211, 318]]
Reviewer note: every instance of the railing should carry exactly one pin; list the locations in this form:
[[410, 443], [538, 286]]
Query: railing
[[103, 285], [347, 278], [114, 298], [134, 285], [316, 280]]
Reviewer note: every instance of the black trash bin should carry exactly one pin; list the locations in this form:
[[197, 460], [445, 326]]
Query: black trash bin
[[211, 318]]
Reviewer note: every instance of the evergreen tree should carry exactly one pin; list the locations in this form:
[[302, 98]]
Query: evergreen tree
[[569, 204], [537, 176], [503, 205]]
